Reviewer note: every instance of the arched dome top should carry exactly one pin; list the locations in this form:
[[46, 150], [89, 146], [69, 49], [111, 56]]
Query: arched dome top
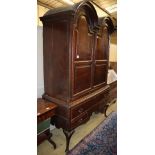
[[86, 6], [90, 12], [107, 21], [73, 8], [82, 8]]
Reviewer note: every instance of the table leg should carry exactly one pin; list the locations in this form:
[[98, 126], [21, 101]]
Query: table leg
[[49, 135], [46, 135]]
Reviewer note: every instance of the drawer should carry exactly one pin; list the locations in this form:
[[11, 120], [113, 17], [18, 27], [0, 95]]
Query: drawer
[[45, 116], [79, 120], [79, 109], [92, 109]]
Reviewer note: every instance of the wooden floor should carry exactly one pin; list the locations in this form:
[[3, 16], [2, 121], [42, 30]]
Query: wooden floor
[[47, 149]]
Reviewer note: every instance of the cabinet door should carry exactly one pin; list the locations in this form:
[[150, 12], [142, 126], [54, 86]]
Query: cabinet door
[[83, 40], [102, 45], [101, 57], [82, 52], [82, 78]]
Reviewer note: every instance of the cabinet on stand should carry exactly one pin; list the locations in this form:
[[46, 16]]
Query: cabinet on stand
[[76, 54]]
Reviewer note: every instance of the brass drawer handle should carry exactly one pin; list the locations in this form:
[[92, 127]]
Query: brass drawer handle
[[80, 110]]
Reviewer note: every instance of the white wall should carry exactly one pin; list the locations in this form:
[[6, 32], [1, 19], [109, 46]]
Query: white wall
[[113, 47], [40, 77], [113, 53]]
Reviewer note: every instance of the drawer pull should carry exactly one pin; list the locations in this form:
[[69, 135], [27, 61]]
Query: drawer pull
[[80, 120], [80, 110]]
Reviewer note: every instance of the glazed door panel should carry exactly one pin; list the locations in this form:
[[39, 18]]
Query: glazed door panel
[[83, 41]]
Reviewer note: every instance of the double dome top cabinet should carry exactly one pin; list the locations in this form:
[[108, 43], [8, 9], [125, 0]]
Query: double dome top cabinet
[[75, 57]]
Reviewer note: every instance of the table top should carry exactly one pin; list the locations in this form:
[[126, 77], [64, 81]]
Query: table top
[[44, 106]]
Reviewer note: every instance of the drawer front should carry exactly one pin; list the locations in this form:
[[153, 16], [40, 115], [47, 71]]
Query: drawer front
[[92, 109], [45, 116], [79, 109], [79, 120]]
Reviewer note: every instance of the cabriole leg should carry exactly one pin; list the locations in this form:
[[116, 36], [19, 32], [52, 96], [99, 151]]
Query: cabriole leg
[[68, 135]]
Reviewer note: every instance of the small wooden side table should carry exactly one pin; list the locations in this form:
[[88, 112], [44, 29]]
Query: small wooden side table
[[45, 110]]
